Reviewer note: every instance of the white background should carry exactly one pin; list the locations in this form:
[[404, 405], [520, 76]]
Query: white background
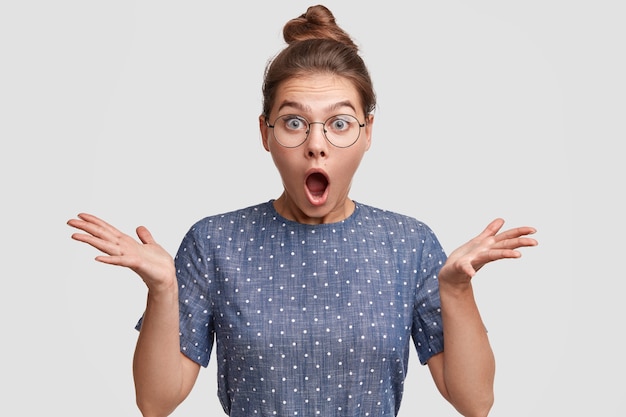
[[146, 113]]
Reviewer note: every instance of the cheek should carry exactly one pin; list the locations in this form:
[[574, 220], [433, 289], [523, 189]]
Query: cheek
[[348, 168], [282, 159], [343, 172], [350, 164]]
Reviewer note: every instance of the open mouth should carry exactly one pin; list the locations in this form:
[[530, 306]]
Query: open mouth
[[316, 184]]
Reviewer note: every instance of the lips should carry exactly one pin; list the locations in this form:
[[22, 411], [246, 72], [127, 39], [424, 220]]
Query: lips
[[316, 183], [316, 187]]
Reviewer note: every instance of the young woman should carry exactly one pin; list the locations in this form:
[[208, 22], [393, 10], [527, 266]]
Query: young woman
[[313, 299]]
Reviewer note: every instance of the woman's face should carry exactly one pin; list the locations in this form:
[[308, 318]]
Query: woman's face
[[316, 175]]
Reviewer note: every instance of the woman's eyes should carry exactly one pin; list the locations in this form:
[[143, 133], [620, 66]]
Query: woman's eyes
[[295, 123]]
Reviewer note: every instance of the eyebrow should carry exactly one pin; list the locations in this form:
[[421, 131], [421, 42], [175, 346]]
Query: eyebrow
[[304, 108]]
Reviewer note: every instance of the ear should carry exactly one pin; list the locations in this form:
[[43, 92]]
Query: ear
[[264, 132], [369, 122]]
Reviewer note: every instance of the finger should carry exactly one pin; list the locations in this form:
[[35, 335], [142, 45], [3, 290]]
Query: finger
[[100, 234], [468, 269], [94, 235], [516, 232], [144, 235], [83, 218], [117, 260], [495, 254], [105, 246], [94, 219], [516, 242], [94, 225], [492, 228]]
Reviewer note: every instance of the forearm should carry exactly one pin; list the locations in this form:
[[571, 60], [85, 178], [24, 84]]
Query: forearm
[[157, 364], [469, 365]]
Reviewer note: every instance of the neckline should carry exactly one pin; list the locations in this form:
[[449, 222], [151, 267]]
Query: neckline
[[347, 220]]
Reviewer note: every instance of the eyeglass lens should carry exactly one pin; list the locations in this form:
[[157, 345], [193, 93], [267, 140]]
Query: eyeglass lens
[[341, 130]]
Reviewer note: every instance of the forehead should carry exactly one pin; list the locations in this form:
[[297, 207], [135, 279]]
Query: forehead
[[315, 93]]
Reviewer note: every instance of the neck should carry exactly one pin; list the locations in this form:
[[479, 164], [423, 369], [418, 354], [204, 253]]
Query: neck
[[287, 208]]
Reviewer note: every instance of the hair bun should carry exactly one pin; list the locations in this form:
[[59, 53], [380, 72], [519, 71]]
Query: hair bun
[[316, 23]]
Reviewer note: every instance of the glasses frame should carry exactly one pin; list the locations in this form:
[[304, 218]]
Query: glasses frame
[[308, 131]]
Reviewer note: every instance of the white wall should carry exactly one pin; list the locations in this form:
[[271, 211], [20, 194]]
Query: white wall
[[128, 109]]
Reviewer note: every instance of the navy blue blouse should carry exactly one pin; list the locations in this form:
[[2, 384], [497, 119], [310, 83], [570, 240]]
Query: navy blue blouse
[[309, 319]]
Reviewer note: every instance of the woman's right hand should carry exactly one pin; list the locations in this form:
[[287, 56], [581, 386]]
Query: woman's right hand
[[146, 258]]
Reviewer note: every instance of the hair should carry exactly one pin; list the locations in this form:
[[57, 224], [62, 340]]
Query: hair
[[316, 44]]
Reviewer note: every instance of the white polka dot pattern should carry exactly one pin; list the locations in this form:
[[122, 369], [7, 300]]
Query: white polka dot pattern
[[310, 319]]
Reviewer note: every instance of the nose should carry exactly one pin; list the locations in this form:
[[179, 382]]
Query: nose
[[316, 143]]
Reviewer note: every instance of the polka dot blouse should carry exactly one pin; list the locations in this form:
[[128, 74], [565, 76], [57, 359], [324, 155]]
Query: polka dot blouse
[[309, 320]]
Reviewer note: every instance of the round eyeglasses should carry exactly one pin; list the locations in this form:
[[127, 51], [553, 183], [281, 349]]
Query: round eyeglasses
[[291, 130]]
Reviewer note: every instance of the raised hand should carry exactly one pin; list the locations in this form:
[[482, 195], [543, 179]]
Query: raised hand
[[488, 246], [146, 258]]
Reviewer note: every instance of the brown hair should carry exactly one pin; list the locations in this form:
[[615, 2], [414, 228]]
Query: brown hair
[[316, 44]]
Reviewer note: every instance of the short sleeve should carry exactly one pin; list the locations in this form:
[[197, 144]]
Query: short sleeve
[[195, 316], [196, 323], [427, 330]]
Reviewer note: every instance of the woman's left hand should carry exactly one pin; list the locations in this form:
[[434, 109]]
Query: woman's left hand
[[488, 246]]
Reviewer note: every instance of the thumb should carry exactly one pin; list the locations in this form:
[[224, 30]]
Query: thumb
[[469, 270], [144, 235]]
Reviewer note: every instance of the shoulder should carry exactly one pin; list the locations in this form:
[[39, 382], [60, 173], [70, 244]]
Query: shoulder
[[246, 214], [227, 222], [388, 219], [399, 231], [220, 229]]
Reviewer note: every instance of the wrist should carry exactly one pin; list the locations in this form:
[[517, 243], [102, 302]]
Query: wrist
[[164, 289], [456, 289]]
